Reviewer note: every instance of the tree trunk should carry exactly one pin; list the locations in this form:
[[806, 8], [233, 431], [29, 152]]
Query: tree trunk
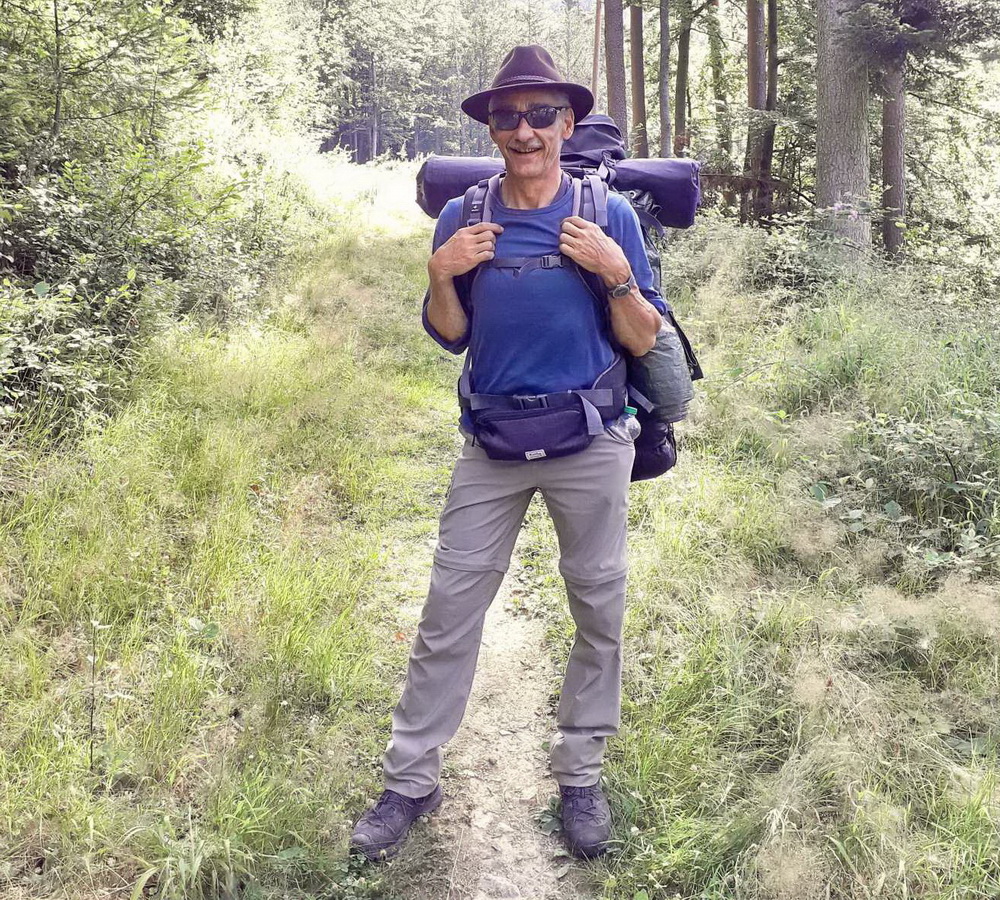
[[640, 140], [57, 63], [756, 99], [893, 159], [373, 113], [595, 73], [614, 49], [666, 139], [756, 67], [567, 34], [764, 196], [681, 139], [843, 165], [716, 63]]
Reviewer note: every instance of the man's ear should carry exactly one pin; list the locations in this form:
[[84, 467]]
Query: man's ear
[[570, 125]]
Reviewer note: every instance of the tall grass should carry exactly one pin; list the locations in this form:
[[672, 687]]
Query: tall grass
[[195, 694], [811, 675]]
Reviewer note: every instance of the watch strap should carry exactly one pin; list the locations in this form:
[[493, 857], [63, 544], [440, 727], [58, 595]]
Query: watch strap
[[620, 290]]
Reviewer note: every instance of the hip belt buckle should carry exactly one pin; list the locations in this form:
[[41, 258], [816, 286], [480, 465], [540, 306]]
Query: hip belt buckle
[[531, 401]]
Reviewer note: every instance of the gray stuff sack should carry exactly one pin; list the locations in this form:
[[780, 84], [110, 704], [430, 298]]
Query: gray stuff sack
[[663, 377]]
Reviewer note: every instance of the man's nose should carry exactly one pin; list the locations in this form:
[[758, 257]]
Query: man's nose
[[524, 131]]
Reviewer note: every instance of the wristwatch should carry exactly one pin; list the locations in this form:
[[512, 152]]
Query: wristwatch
[[620, 290]]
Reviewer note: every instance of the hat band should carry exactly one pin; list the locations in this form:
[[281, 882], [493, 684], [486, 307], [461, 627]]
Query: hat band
[[518, 79]]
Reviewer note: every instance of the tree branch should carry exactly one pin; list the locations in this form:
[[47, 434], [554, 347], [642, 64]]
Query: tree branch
[[961, 109], [159, 191], [110, 115]]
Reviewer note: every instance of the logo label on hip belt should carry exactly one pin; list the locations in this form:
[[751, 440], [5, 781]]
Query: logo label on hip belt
[[534, 454]]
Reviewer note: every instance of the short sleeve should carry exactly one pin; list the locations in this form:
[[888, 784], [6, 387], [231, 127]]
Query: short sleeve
[[447, 224], [624, 229]]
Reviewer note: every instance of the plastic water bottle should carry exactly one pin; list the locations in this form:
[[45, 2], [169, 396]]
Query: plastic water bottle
[[631, 422]]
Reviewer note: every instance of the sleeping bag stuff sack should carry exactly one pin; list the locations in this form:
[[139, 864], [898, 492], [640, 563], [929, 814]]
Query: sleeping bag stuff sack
[[671, 183]]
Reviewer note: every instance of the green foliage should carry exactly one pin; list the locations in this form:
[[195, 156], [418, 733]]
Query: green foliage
[[56, 350], [889, 30], [146, 177], [212, 17], [408, 66], [199, 664], [939, 480], [812, 666], [922, 396]]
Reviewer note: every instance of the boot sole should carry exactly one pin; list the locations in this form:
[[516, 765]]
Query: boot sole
[[588, 852]]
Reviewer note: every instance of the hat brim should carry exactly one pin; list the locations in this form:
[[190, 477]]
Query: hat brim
[[478, 105]]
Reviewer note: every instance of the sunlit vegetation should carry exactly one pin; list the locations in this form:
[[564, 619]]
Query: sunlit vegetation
[[224, 440]]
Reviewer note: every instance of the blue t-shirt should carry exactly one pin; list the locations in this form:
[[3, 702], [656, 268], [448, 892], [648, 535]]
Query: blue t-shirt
[[542, 330]]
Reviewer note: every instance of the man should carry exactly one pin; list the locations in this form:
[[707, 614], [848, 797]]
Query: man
[[528, 335]]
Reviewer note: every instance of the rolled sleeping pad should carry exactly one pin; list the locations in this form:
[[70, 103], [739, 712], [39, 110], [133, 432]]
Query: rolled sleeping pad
[[673, 183], [441, 178]]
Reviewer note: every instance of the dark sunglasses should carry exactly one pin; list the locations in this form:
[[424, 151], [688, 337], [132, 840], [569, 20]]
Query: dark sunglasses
[[536, 117]]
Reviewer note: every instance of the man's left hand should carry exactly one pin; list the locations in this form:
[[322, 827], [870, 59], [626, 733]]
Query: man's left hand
[[590, 248]]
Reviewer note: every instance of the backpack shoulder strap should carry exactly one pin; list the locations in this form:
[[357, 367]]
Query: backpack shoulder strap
[[577, 208], [648, 220], [599, 193], [477, 206], [590, 202], [478, 203], [474, 203], [590, 199]]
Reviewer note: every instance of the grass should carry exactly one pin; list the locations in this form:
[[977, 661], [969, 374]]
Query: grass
[[195, 596], [199, 666], [811, 683]]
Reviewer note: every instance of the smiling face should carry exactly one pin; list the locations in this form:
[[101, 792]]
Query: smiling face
[[532, 153]]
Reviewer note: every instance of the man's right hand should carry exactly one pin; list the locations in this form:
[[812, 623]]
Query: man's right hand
[[464, 250]]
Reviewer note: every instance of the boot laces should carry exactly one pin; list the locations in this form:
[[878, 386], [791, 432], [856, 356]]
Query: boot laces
[[391, 803], [581, 800]]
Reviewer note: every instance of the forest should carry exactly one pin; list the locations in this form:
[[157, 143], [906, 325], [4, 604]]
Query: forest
[[224, 440], [145, 147]]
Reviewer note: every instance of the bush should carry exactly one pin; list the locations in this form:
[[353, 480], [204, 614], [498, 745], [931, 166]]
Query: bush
[[147, 193], [57, 351], [939, 480]]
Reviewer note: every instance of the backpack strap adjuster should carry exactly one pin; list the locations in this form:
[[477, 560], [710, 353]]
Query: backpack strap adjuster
[[531, 401], [475, 212]]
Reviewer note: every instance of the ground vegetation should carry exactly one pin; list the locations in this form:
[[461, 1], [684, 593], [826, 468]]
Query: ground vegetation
[[224, 439]]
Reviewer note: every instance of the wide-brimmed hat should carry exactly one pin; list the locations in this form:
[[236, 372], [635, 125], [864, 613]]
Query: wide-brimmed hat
[[528, 67]]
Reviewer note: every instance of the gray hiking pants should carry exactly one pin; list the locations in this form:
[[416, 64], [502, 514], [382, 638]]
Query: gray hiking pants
[[587, 498]]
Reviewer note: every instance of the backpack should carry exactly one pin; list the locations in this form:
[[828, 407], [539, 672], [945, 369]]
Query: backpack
[[662, 192]]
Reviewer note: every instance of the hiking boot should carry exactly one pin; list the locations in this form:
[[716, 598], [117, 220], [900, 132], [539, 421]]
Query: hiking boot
[[380, 831], [586, 820]]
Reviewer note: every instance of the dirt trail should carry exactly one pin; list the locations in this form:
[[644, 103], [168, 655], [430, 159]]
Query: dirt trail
[[484, 841]]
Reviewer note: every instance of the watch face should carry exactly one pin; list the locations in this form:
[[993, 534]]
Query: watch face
[[620, 290]]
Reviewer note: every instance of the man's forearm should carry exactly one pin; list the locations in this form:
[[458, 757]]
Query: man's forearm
[[634, 320], [444, 310]]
